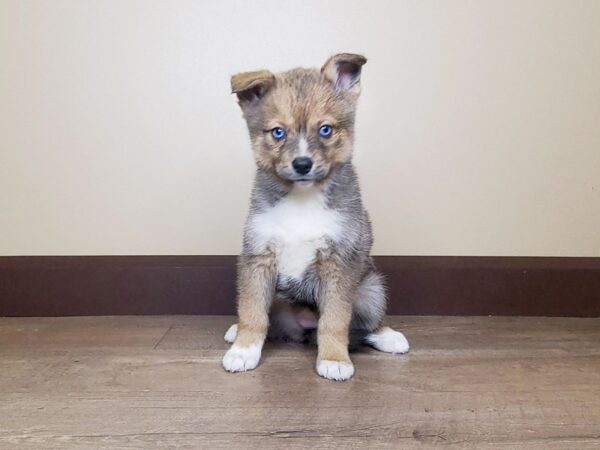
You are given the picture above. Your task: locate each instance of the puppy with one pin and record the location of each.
(305, 262)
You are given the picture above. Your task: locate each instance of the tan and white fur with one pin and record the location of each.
(305, 265)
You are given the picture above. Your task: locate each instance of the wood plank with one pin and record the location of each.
(63, 333)
(467, 383)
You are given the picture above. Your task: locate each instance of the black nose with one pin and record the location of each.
(302, 165)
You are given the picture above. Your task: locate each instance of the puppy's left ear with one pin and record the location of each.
(251, 86)
(343, 70)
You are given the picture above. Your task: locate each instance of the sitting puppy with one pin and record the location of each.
(305, 262)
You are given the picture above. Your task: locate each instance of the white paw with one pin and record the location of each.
(389, 341)
(335, 370)
(240, 359)
(231, 334)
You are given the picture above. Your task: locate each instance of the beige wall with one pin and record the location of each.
(478, 130)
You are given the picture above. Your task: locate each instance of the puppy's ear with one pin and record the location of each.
(251, 86)
(343, 70)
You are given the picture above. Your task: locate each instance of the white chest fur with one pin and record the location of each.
(296, 227)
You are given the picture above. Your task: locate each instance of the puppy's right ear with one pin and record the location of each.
(343, 70)
(251, 86)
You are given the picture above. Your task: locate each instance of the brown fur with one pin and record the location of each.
(301, 101)
(250, 84)
(343, 61)
(270, 101)
(337, 291)
(256, 286)
(279, 105)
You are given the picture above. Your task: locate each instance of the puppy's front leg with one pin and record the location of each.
(335, 306)
(256, 286)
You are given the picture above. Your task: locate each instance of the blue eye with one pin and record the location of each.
(325, 131)
(278, 133)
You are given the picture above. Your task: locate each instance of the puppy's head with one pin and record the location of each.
(301, 122)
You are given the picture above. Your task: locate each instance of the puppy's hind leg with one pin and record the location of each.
(368, 312)
(385, 339)
(231, 334)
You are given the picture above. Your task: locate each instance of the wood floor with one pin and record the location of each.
(157, 382)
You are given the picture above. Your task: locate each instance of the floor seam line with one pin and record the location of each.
(162, 337)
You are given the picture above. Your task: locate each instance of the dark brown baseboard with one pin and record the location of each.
(424, 285)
